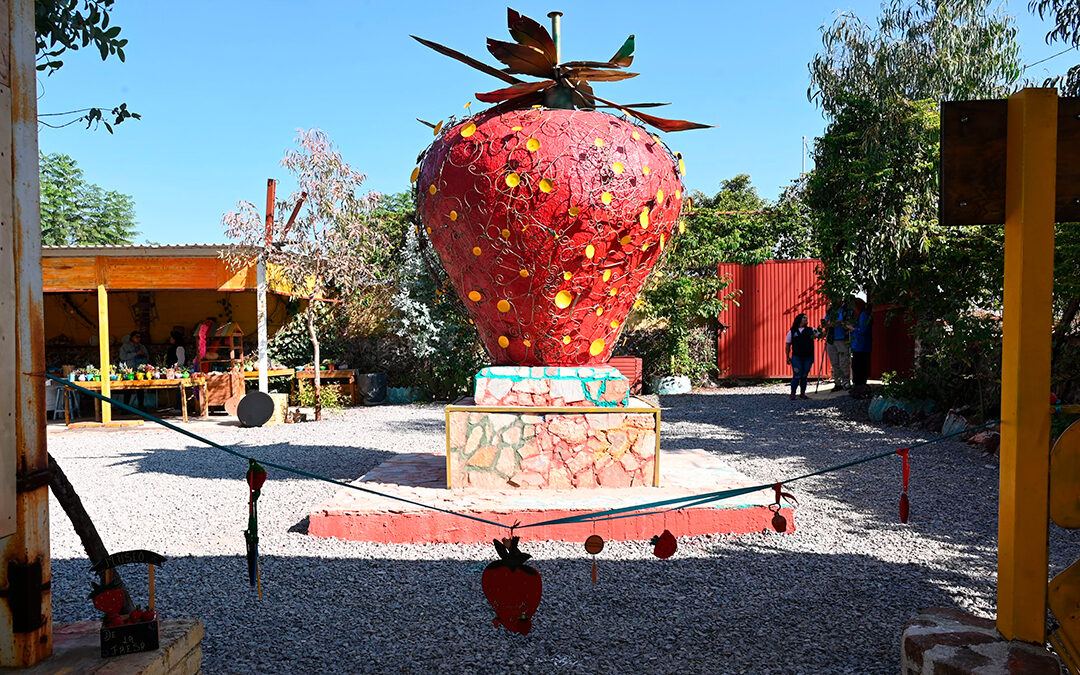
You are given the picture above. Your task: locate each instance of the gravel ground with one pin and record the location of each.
(831, 598)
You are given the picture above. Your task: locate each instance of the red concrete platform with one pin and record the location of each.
(421, 477)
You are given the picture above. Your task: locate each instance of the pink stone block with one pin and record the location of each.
(527, 480)
(475, 436)
(507, 464)
(560, 478)
(568, 428)
(484, 457)
(620, 443)
(614, 475)
(512, 436)
(457, 430)
(530, 448)
(539, 464)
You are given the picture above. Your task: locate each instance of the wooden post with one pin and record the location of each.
(260, 291)
(1031, 161)
(103, 341)
(25, 574)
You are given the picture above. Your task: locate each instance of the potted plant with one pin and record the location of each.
(92, 373)
(126, 372)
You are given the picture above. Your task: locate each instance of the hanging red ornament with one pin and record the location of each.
(664, 544)
(512, 588)
(256, 477)
(905, 507)
(594, 544)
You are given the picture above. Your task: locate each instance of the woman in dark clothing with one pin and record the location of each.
(799, 347)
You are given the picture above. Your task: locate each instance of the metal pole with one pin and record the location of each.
(556, 34)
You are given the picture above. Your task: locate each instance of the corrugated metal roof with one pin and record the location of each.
(135, 250)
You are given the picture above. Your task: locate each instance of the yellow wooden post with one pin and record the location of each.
(103, 344)
(1031, 161)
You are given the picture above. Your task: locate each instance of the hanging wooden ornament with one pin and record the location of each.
(512, 588)
(664, 544)
(905, 506)
(594, 544)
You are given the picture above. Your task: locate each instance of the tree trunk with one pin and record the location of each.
(84, 527)
(318, 367)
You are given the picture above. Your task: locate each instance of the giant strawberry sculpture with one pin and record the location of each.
(548, 218)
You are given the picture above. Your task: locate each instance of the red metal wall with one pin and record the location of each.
(772, 294)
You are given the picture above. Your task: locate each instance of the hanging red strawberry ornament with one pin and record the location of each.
(547, 214)
(512, 588)
(664, 545)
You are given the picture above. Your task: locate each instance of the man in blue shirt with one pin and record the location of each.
(837, 346)
(861, 343)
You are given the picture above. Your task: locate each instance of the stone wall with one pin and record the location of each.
(550, 386)
(947, 641)
(534, 449)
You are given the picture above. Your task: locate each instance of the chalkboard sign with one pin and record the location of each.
(129, 639)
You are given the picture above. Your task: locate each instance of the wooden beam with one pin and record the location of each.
(1025, 370)
(25, 636)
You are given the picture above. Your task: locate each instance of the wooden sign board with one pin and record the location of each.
(973, 162)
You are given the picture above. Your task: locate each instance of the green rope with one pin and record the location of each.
(649, 508)
(282, 467)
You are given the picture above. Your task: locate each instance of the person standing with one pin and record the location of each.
(837, 346)
(799, 348)
(861, 344)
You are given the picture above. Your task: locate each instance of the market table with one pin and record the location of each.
(348, 375)
(183, 385)
(273, 372)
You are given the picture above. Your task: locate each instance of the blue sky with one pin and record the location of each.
(223, 86)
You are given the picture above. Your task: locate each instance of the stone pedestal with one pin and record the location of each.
(552, 387)
(944, 640)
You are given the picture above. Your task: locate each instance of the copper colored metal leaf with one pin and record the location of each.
(635, 105)
(514, 91)
(658, 122)
(518, 103)
(521, 59)
(597, 75)
(528, 32)
(590, 64)
(468, 60)
(583, 95)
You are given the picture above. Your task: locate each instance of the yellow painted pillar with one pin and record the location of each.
(1031, 162)
(103, 347)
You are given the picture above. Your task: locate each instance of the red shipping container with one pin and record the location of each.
(751, 340)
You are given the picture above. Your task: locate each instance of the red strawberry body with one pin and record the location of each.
(512, 588)
(664, 545)
(548, 223)
(109, 600)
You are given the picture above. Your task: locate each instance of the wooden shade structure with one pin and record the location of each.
(139, 269)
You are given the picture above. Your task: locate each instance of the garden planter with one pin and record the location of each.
(371, 387)
(670, 384)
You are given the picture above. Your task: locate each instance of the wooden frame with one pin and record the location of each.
(195, 385)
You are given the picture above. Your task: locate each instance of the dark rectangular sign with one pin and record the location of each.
(973, 162)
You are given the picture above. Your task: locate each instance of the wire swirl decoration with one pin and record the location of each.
(548, 223)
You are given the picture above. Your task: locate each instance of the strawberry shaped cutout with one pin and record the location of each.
(664, 545)
(548, 215)
(512, 588)
(108, 598)
(548, 223)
